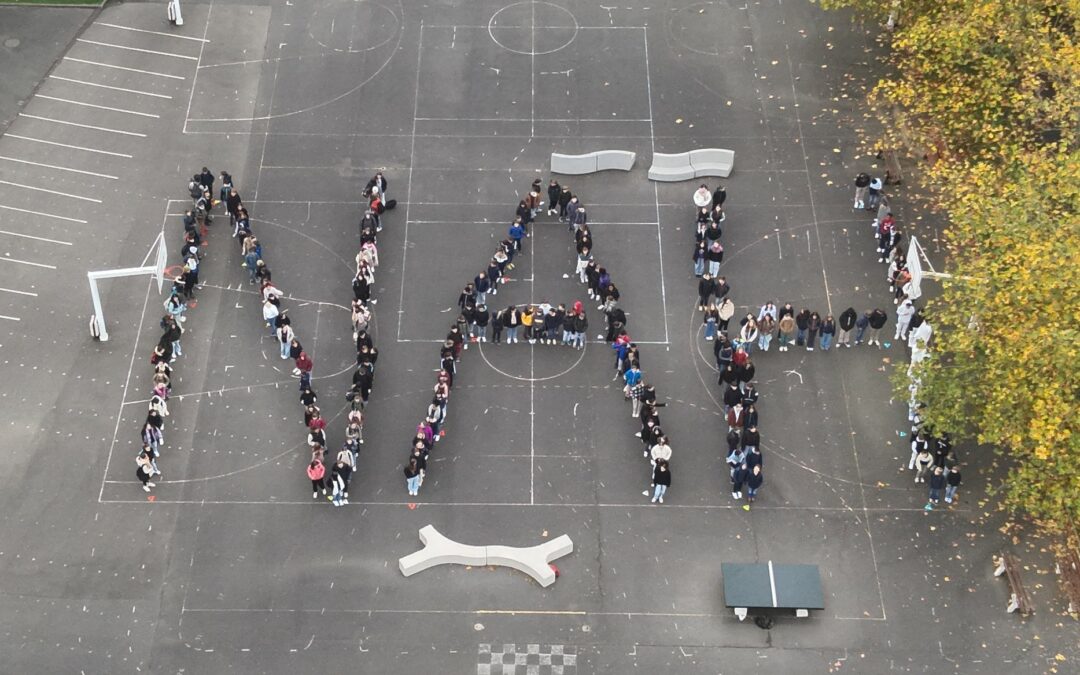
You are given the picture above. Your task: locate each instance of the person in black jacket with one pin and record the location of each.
(564, 200)
(661, 479)
(877, 320)
(754, 480)
(705, 290)
(732, 395)
(846, 325)
(813, 325)
(554, 190)
(802, 324)
(480, 318)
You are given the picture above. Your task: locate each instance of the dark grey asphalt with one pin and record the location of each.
(234, 568)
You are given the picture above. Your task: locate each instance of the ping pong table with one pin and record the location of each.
(769, 586)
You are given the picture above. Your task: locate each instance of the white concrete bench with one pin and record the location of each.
(438, 550)
(694, 164)
(671, 168)
(591, 162)
(712, 162)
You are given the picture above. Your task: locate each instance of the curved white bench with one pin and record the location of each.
(671, 168)
(533, 560)
(681, 166)
(712, 162)
(591, 162)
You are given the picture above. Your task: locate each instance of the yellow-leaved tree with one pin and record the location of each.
(991, 88)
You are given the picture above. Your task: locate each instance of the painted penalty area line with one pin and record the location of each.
(46, 215)
(151, 32)
(30, 236)
(52, 192)
(98, 107)
(136, 49)
(130, 70)
(65, 145)
(59, 168)
(82, 126)
(110, 87)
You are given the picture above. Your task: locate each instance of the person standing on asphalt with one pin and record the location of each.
(904, 312)
(315, 473)
(661, 480)
(846, 324)
(412, 477)
(877, 319)
(828, 330)
(952, 484)
(754, 480)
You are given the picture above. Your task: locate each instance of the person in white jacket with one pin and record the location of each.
(904, 312)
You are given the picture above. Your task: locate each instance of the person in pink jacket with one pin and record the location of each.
(316, 471)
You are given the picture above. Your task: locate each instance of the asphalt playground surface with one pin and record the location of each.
(230, 566)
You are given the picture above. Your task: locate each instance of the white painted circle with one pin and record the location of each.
(333, 25)
(480, 347)
(493, 25)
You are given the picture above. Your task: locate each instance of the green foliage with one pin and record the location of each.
(991, 88)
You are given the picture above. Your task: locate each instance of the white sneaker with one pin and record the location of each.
(600, 307)
(638, 434)
(315, 495)
(324, 491)
(146, 488)
(465, 346)
(182, 319)
(653, 500)
(151, 485)
(661, 500)
(373, 301)
(734, 495)
(565, 276)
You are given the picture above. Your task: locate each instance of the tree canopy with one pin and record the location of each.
(991, 90)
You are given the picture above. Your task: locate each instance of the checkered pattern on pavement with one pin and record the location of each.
(527, 659)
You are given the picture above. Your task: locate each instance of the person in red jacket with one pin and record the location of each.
(305, 365)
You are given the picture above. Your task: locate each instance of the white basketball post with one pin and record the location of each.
(157, 270)
(173, 12)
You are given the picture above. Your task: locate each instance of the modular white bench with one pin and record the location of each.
(591, 162)
(439, 550)
(670, 168)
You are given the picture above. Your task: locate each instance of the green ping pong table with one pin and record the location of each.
(760, 586)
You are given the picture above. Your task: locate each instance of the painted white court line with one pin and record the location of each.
(12, 290)
(52, 192)
(10, 318)
(198, 64)
(46, 215)
(7, 258)
(525, 119)
(151, 32)
(99, 107)
(82, 126)
(65, 145)
(656, 188)
(131, 70)
(135, 49)
(107, 86)
(408, 190)
(58, 168)
(772, 585)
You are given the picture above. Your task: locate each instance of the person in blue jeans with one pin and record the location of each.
(952, 484)
(712, 318)
(661, 480)
(412, 477)
(861, 325)
(828, 330)
(753, 482)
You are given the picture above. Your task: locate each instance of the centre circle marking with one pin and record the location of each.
(581, 356)
(492, 25)
(330, 27)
